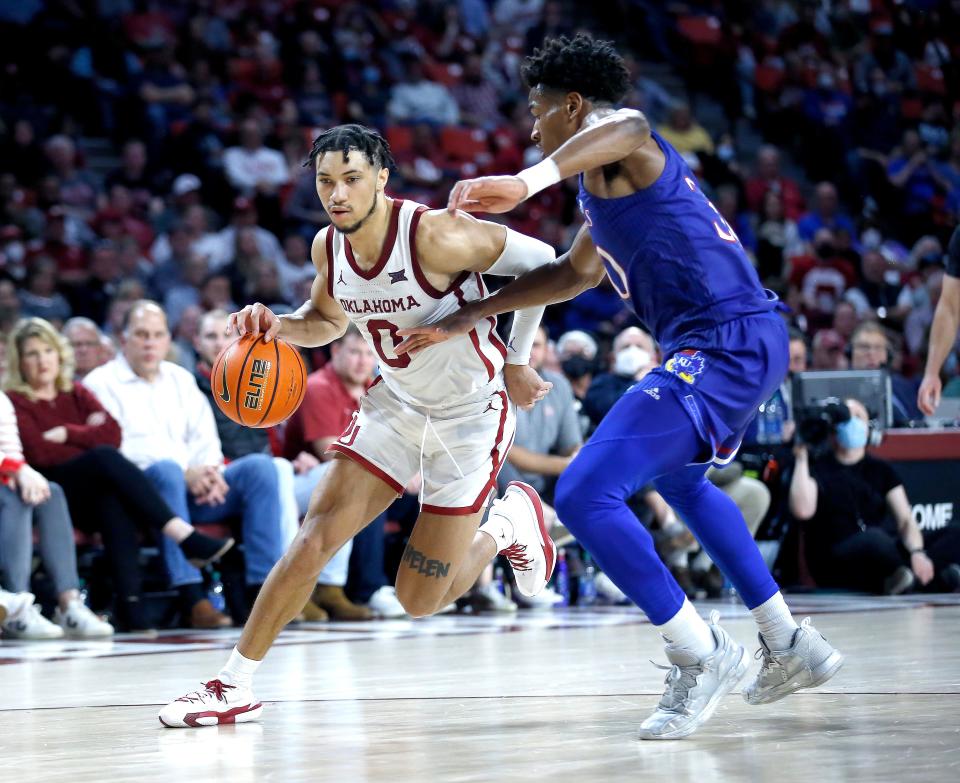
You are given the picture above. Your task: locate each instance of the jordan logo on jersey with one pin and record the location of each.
(398, 277)
(686, 365)
(340, 279)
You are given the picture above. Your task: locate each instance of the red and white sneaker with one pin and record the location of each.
(217, 703)
(532, 553)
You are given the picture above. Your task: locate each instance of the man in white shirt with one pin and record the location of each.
(416, 98)
(253, 167)
(169, 431)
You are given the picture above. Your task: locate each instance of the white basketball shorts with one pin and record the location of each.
(460, 448)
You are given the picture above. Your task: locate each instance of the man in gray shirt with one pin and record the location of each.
(548, 436)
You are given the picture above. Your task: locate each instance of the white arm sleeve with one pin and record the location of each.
(521, 254)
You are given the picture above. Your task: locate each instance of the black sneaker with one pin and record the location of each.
(202, 550)
(950, 576)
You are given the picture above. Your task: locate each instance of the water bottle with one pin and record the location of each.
(588, 584)
(215, 594)
(500, 581)
(563, 578)
(770, 421)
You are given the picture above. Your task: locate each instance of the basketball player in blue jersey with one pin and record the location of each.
(670, 254)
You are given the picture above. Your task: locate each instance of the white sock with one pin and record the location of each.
(238, 670)
(776, 624)
(688, 631)
(177, 529)
(499, 528)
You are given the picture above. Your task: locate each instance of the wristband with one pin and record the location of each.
(542, 175)
(921, 550)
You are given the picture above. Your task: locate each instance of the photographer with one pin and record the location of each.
(860, 532)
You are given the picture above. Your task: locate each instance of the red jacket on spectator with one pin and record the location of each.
(72, 410)
(757, 188)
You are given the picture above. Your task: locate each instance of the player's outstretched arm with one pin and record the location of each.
(318, 321)
(572, 273)
(943, 334)
(607, 140)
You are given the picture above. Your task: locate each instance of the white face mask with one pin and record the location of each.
(630, 360)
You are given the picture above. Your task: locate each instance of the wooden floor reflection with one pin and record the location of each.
(536, 697)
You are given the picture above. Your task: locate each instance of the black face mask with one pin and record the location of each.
(576, 367)
(825, 250)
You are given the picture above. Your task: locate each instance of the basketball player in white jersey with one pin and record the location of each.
(386, 264)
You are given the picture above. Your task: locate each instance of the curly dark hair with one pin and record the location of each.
(580, 64)
(353, 137)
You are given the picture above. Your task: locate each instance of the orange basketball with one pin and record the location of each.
(258, 384)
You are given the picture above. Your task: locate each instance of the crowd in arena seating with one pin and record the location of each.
(153, 150)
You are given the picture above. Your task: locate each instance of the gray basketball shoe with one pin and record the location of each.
(695, 686)
(809, 661)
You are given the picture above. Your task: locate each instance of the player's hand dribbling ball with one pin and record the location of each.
(258, 383)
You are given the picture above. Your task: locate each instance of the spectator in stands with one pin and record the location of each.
(577, 354)
(826, 213)
(27, 497)
(632, 356)
(828, 352)
(70, 437)
(252, 167)
(295, 267)
(684, 132)
(169, 432)
(859, 530)
(71, 260)
(871, 351)
(164, 90)
(417, 99)
(822, 277)
(875, 296)
(39, 296)
(476, 97)
(78, 191)
(331, 400)
(768, 178)
(134, 175)
(244, 217)
(884, 56)
(845, 319)
(911, 171)
(91, 298)
(86, 341)
(778, 238)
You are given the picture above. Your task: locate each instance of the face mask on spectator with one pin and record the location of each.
(825, 249)
(576, 367)
(891, 277)
(630, 360)
(725, 152)
(852, 434)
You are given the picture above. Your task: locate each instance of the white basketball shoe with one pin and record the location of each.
(532, 553)
(695, 686)
(216, 704)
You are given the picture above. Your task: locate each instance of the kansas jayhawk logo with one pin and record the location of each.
(686, 365)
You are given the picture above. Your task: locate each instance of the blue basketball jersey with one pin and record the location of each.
(670, 253)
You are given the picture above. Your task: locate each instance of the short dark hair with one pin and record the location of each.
(580, 64)
(353, 137)
(796, 334)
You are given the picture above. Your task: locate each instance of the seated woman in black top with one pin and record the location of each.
(860, 532)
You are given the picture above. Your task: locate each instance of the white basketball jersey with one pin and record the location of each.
(395, 294)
